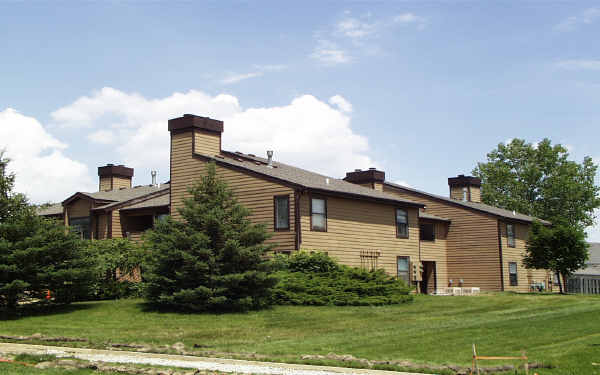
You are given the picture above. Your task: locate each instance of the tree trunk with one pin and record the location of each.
(560, 284)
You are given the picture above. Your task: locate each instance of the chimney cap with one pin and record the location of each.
(370, 175)
(462, 180)
(115, 170)
(189, 121)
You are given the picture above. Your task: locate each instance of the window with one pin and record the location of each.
(81, 226)
(401, 223)
(282, 212)
(512, 272)
(510, 234)
(404, 269)
(160, 217)
(318, 214)
(427, 231)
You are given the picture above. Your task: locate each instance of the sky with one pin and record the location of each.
(421, 90)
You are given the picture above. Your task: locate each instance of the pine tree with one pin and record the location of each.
(211, 260)
(36, 254)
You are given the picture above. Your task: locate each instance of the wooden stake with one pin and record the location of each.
(475, 364)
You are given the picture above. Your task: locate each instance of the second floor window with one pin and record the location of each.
(510, 234)
(318, 214)
(427, 231)
(401, 223)
(282, 212)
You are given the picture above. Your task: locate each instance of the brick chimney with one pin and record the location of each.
(465, 188)
(114, 177)
(371, 178)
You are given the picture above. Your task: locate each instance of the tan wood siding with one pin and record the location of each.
(79, 208)
(456, 192)
(105, 184)
(475, 194)
(354, 226)
(436, 251)
(515, 254)
(472, 242)
(114, 183)
(102, 226)
(207, 143)
(253, 192)
(117, 231)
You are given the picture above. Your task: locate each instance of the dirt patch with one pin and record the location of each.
(458, 370)
(40, 337)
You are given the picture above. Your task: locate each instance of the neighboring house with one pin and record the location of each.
(361, 220)
(117, 210)
(484, 245)
(587, 279)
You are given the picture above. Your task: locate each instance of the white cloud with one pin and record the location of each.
(43, 172)
(340, 102)
(354, 28)
(578, 64)
(328, 53)
(586, 17)
(306, 132)
(103, 137)
(410, 18)
(235, 78)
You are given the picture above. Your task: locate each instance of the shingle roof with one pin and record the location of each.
(126, 194)
(303, 178)
(160, 201)
(55, 209)
(425, 215)
(475, 206)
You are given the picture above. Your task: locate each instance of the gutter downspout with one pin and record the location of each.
(500, 254)
(297, 222)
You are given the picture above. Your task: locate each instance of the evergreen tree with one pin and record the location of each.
(36, 254)
(211, 260)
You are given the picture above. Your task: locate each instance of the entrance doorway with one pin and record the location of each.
(429, 278)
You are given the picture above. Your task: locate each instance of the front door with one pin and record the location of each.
(429, 279)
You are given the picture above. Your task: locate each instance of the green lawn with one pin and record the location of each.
(561, 330)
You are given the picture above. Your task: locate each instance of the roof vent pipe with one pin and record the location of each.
(153, 174)
(270, 158)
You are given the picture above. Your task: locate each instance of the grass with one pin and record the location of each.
(559, 330)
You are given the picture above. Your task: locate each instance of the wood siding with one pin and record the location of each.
(436, 251)
(515, 254)
(475, 194)
(354, 226)
(114, 183)
(78, 208)
(102, 226)
(253, 192)
(105, 184)
(207, 143)
(472, 242)
(116, 230)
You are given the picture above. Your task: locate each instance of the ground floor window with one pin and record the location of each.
(81, 226)
(404, 269)
(512, 272)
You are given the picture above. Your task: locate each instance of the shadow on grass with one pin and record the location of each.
(149, 307)
(43, 309)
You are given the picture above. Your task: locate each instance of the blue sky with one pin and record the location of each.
(423, 90)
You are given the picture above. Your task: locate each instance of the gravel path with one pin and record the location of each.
(200, 363)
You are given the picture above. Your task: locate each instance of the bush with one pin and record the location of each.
(317, 279)
(112, 258)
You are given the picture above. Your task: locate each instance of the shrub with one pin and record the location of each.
(112, 258)
(317, 279)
